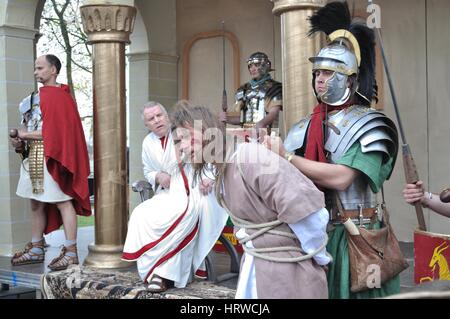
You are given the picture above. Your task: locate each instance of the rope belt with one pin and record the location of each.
(268, 228)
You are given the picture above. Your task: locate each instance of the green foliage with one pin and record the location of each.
(84, 221)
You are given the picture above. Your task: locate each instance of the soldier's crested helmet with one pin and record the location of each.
(261, 59)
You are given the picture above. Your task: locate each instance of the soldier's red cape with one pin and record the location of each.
(65, 151)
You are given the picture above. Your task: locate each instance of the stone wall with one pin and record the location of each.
(17, 36)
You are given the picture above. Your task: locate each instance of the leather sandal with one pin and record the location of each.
(26, 256)
(158, 284)
(63, 261)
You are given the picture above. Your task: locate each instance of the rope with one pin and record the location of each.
(267, 228)
(258, 252)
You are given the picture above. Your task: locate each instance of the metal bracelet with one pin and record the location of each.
(288, 156)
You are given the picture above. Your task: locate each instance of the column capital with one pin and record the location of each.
(281, 6)
(108, 23)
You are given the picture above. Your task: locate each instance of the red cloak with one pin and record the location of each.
(65, 151)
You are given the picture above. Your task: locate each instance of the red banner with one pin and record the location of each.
(431, 256)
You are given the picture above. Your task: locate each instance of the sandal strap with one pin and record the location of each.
(28, 248)
(61, 255)
(160, 285)
(27, 257)
(63, 260)
(155, 282)
(71, 248)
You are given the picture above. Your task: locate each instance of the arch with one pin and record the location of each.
(206, 35)
(139, 37)
(38, 14)
(21, 14)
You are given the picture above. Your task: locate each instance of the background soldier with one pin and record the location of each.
(258, 101)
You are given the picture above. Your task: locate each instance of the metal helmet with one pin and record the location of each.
(342, 61)
(350, 53)
(265, 66)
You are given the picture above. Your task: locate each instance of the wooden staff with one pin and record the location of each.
(409, 165)
(224, 92)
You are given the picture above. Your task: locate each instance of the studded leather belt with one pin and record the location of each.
(361, 216)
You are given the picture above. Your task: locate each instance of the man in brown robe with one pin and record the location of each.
(260, 189)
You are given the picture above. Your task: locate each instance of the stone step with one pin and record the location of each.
(82, 282)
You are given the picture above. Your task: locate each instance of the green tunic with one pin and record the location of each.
(376, 169)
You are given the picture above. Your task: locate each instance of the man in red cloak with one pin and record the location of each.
(54, 174)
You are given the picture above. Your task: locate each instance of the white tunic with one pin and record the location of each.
(52, 192)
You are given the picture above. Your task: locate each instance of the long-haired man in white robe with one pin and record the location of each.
(171, 234)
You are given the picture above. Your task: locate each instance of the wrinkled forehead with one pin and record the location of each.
(153, 111)
(41, 61)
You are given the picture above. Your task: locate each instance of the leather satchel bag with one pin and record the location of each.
(375, 255)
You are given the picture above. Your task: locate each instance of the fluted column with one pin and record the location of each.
(108, 28)
(296, 48)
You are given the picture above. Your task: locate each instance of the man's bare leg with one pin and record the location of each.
(69, 254)
(38, 220)
(69, 217)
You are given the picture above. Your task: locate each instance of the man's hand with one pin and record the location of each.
(17, 143)
(206, 186)
(259, 131)
(223, 117)
(275, 144)
(229, 117)
(413, 193)
(163, 179)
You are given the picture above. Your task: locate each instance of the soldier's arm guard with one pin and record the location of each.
(296, 137)
(370, 128)
(274, 96)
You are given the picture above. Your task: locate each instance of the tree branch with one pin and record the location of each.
(81, 66)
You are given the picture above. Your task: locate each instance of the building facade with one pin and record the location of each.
(176, 52)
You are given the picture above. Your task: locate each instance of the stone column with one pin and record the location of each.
(296, 48)
(16, 82)
(108, 28)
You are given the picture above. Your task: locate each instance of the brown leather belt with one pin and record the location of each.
(367, 213)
